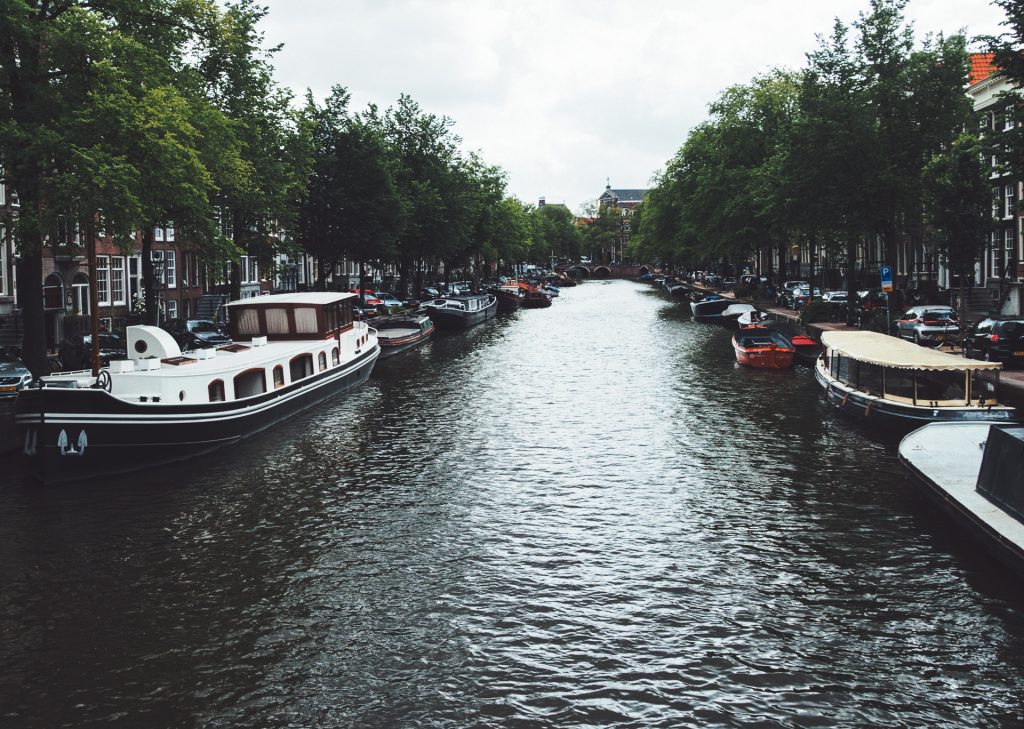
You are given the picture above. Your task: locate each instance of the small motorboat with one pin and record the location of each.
(764, 348)
(753, 318)
(509, 295)
(534, 298)
(807, 349)
(733, 312)
(399, 333)
(710, 307)
(550, 290)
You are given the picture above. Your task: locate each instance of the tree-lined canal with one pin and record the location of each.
(580, 516)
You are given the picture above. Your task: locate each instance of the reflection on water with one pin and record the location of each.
(580, 516)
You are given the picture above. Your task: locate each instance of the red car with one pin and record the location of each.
(371, 298)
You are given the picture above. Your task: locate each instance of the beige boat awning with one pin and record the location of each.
(886, 351)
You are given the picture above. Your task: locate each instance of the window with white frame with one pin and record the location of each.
(117, 280)
(171, 307)
(1010, 192)
(244, 268)
(170, 232)
(254, 270)
(158, 234)
(103, 280)
(1008, 239)
(1008, 122)
(171, 269)
(997, 196)
(3, 189)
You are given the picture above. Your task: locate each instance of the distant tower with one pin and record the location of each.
(540, 204)
(607, 183)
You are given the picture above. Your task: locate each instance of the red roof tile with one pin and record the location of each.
(981, 67)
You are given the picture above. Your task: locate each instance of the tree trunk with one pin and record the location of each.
(30, 279)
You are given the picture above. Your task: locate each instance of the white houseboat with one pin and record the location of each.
(890, 382)
(290, 351)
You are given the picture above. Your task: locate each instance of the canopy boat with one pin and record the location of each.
(896, 383)
(972, 471)
(461, 312)
(290, 351)
(710, 307)
(763, 348)
(398, 333)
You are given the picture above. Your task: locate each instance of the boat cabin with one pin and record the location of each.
(899, 371)
(282, 317)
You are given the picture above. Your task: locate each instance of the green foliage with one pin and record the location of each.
(815, 311)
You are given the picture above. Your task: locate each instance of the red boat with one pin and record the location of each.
(765, 348)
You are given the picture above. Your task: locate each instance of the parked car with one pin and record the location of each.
(387, 299)
(196, 333)
(996, 340)
(112, 346)
(799, 297)
(784, 290)
(368, 297)
(927, 324)
(838, 302)
(14, 375)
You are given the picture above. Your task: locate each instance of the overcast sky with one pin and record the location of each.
(563, 94)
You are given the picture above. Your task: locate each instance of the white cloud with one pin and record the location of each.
(565, 93)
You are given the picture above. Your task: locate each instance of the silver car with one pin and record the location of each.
(928, 324)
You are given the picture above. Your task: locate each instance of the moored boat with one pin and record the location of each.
(972, 471)
(461, 312)
(732, 313)
(895, 383)
(763, 348)
(290, 351)
(534, 298)
(509, 295)
(710, 307)
(399, 333)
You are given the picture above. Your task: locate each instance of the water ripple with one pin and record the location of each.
(582, 516)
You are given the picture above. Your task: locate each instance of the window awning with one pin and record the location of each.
(885, 351)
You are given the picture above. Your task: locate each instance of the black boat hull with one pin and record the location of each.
(74, 435)
(454, 319)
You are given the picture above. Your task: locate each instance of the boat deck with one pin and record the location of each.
(948, 456)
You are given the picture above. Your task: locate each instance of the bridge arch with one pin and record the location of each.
(602, 272)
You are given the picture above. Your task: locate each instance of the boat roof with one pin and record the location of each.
(311, 298)
(881, 349)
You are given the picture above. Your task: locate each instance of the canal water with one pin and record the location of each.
(584, 516)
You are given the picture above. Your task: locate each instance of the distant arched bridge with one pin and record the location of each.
(603, 270)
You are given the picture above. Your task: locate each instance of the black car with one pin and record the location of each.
(112, 346)
(996, 340)
(196, 333)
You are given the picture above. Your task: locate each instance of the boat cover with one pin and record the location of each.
(881, 349)
(737, 309)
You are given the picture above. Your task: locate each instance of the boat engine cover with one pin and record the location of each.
(146, 342)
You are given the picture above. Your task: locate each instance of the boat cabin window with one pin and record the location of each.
(335, 357)
(248, 322)
(940, 386)
(323, 361)
(869, 378)
(216, 390)
(277, 320)
(899, 383)
(250, 382)
(300, 366)
(278, 376)
(305, 320)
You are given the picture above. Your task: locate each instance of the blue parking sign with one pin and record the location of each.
(886, 272)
